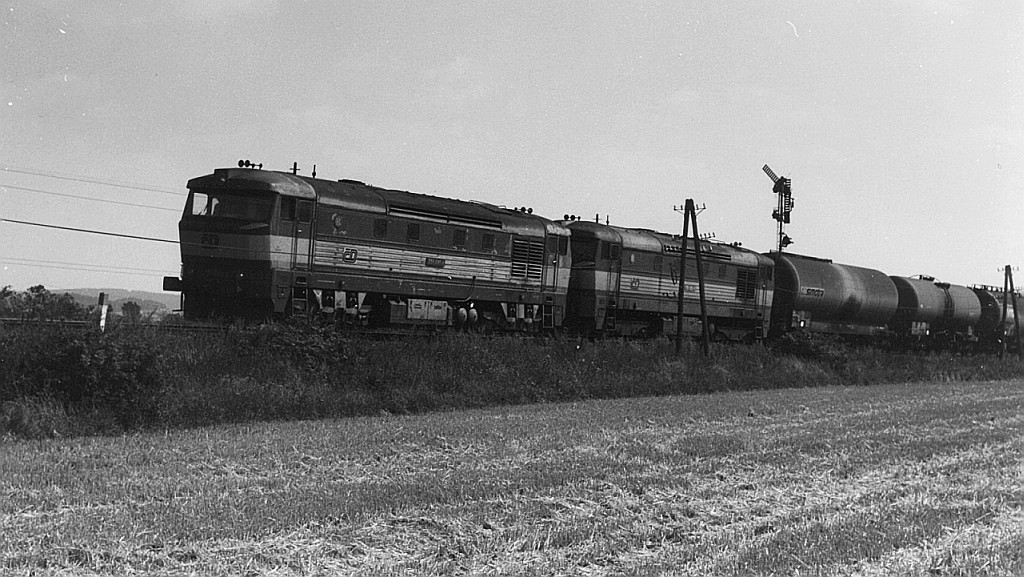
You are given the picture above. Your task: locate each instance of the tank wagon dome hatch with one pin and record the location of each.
(244, 179)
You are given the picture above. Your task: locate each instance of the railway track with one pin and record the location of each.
(355, 332)
(84, 325)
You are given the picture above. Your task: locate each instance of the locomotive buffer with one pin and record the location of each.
(784, 188)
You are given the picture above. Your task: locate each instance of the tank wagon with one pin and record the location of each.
(818, 295)
(258, 243)
(937, 313)
(625, 282)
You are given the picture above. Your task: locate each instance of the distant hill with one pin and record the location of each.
(147, 301)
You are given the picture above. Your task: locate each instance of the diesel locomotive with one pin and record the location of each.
(261, 244)
(258, 244)
(626, 282)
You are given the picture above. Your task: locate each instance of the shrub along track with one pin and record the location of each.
(906, 480)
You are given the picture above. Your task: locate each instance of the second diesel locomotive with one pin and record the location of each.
(626, 282)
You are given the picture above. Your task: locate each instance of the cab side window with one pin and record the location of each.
(487, 243)
(289, 208)
(305, 211)
(459, 238)
(413, 232)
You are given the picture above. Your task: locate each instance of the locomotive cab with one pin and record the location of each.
(241, 232)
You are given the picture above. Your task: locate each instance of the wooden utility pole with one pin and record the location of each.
(690, 214)
(1009, 292)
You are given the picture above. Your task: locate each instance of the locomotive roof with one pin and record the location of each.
(653, 241)
(400, 203)
(258, 180)
(595, 229)
(356, 195)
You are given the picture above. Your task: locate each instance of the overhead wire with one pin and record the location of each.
(83, 267)
(224, 249)
(64, 195)
(99, 232)
(91, 180)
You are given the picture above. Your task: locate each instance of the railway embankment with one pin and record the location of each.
(63, 381)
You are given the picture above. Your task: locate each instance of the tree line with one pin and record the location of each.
(38, 303)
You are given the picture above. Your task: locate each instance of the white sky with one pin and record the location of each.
(901, 122)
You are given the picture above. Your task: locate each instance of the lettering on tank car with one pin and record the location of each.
(814, 292)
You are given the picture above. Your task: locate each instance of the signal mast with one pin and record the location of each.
(784, 188)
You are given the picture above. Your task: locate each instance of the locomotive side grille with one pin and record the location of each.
(746, 283)
(527, 259)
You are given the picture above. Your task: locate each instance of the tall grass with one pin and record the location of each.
(80, 382)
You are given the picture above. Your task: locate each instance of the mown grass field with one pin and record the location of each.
(922, 479)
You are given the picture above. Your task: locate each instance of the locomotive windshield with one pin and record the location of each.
(248, 207)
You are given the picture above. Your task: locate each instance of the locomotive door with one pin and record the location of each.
(550, 282)
(300, 214)
(611, 260)
(762, 307)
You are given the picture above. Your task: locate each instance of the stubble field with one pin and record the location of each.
(922, 479)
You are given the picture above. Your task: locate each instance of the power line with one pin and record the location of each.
(90, 180)
(225, 249)
(88, 198)
(87, 267)
(100, 232)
